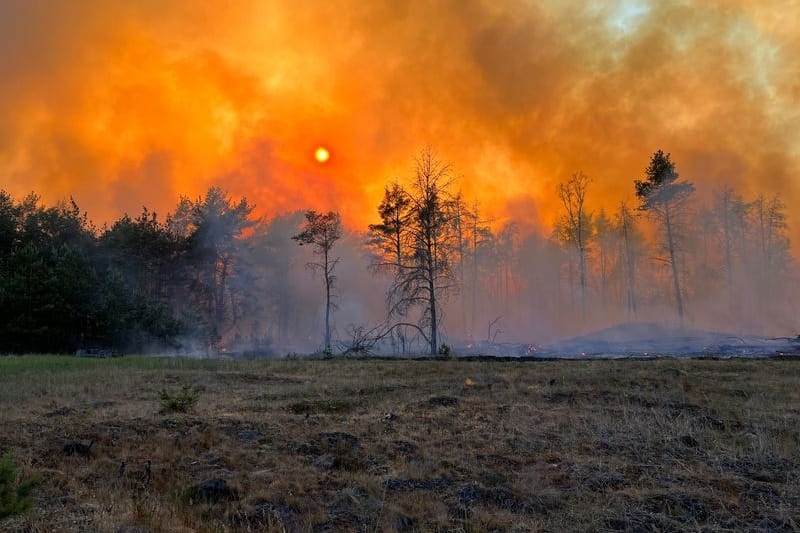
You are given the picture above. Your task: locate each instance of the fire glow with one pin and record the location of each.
(122, 105)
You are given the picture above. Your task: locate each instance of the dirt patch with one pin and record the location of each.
(320, 407)
(442, 401)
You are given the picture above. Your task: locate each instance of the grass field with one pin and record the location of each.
(375, 445)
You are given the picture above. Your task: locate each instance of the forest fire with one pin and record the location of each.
(121, 105)
(212, 279)
(449, 265)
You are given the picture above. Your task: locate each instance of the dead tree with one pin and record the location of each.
(322, 231)
(664, 196)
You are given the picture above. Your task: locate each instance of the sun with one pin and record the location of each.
(322, 155)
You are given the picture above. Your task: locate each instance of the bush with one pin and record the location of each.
(14, 497)
(444, 350)
(179, 402)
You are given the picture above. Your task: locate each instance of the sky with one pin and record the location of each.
(125, 103)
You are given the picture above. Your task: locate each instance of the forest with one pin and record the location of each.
(433, 274)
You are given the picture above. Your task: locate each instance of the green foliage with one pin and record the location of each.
(134, 286)
(179, 402)
(15, 496)
(661, 185)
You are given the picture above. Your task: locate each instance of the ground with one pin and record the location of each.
(375, 445)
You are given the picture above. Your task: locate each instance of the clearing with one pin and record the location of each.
(380, 445)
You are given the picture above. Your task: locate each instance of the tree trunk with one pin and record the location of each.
(631, 272)
(327, 305)
(582, 274)
(671, 246)
(474, 274)
(432, 293)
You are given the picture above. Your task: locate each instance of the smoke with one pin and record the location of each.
(121, 103)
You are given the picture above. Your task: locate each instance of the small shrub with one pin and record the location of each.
(179, 402)
(445, 350)
(15, 497)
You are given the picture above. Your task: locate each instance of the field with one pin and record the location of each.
(376, 445)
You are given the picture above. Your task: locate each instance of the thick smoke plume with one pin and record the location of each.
(129, 103)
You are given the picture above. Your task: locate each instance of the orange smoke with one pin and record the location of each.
(123, 104)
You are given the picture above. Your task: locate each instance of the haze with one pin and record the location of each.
(123, 104)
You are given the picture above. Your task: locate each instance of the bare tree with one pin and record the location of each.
(322, 231)
(664, 196)
(577, 223)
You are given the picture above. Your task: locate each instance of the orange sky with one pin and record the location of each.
(127, 103)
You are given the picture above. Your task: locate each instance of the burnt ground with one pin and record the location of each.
(365, 445)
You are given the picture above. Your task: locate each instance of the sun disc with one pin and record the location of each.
(322, 155)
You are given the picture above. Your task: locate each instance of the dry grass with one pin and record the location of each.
(365, 445)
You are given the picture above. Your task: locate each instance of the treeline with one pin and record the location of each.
(139, 284)
(727, 262)
(210, 277)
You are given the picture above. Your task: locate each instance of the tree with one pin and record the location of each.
(15, 491)
(731, 213)
(577, 223)
(214, 224)
(506, 248)
(479, 237)
(772, 241)
(276, 255)
(388, 241)
(425, 233)
(664, 195)
(630, 244)
(388, 236)
(604, 235)
(322, 231)
(45, 299)
(9, 220)
(146, 252)
(47, 279)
